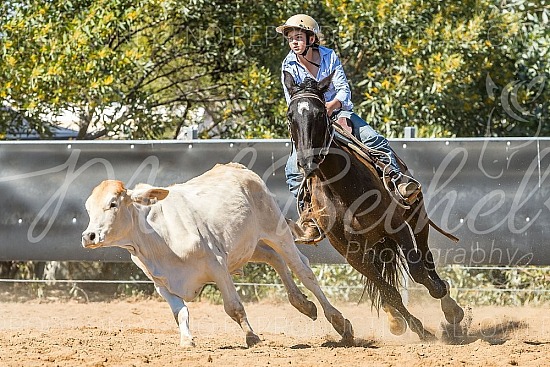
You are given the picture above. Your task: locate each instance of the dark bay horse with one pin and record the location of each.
(378, 235)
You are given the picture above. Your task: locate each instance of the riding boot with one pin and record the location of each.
(407, 189)
(307, 231)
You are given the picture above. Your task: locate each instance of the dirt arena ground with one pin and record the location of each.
(138, 333)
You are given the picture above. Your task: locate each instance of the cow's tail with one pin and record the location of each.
(442, 231)
(389, 262)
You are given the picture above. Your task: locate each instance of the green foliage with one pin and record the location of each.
(426, 63)
(256, 114)
(17, 269)
(500, 286)
(130, 69)
(341, 283)
(256, 282)
(484, 286)
(141, 69)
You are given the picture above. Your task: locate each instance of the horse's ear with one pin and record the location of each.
(325, 83)
(290, 84)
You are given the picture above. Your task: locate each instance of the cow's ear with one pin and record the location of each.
(148, 196)
(325, 83)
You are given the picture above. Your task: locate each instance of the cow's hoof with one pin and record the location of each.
(187, 343)
(345, 329)
(311, 310)
(301, 303)
(252, 340)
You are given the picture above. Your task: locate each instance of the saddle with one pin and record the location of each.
(373, 158)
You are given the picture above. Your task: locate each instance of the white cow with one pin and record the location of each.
(186, 235)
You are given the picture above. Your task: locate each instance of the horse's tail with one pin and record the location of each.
(389, 262)
(442, 231)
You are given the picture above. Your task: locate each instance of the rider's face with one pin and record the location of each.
(297, 40)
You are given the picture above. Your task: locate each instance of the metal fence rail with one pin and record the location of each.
(494, 194)
(538, 290)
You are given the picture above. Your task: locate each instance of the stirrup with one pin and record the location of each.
(397, 185)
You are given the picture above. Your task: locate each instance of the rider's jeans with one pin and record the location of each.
(362, 131)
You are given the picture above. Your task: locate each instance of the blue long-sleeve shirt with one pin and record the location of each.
(339, 88)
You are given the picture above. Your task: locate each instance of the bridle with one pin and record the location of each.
(323, 152)
(329, 130)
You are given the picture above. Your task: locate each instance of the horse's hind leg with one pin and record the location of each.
(452, 311)
(418, 220)
(415, 262)
(388, 293)
(266, 254)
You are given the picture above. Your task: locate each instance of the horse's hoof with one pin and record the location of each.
(398, 326)
(440, 290)
(396, 321)
(426, 336)
(252, 340)
(452, 311)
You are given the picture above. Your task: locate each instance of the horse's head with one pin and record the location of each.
(310, 127)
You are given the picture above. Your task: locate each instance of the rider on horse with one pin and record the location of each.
(308, 59)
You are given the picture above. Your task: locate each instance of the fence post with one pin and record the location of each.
(410, 132)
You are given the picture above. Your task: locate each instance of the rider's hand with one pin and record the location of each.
(342, 121)
(332, 106)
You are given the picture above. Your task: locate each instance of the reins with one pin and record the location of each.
(306, 95)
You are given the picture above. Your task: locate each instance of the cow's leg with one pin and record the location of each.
(178, 307)
(285, 247)
(181, 314)
(231, 301)
(267, 255)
